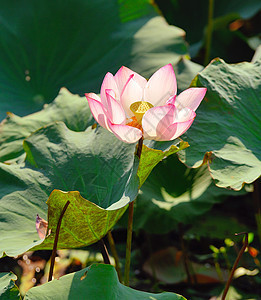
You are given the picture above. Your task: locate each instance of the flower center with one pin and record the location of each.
(139, 108)
(134, 123)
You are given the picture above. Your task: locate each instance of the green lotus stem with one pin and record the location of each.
(104, 252)
(115, 255)
(128, 245)
(56, 240)
(242, 250)
(257, 205)
(129, 228)
(209, 31)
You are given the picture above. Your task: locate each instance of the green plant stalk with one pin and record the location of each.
(242, 250)
(129, 228)
(115, 255)
(104, 252)
(56, 240)
(216, 252)
(217, 267)
(209, 31)
(226, 260)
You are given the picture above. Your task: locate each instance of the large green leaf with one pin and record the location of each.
(131, 10)
(71, 109)
(94, 163)
(96, 282)
(226, 131)
(8, 289)
(46, 45)
(175, 194)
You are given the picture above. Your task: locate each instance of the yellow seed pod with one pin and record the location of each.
(139, 108)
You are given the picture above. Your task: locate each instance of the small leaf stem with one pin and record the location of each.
(129, 228)
(242, 250)
(115, 255)
(209, 31)
(187, 264)
(56, 240)
(104, 252)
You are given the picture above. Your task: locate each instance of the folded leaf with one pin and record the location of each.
(92, 169)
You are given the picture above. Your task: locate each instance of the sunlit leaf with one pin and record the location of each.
(8, 289)
(257, 55)
(96, 282)
(84, 222)
(71, 109)
(153, 152)
(226, 131)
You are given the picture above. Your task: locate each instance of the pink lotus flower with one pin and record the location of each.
(131, 107)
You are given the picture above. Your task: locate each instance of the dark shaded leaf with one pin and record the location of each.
(79, 42)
